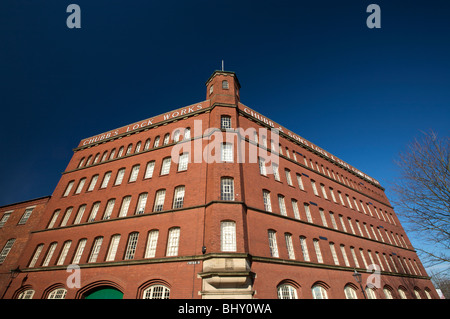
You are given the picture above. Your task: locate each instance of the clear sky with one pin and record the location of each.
(313, 66)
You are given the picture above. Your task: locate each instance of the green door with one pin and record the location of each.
(104, 293)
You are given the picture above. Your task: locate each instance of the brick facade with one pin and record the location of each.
(178, 244)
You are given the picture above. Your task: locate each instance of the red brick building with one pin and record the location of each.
(213, 200)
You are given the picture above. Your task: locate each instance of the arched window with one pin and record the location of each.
(59, 293)
(166, 139)
(273, 246)
(225, 85)
(26, 294)
(319, 292)
(131, 246)
(173, 241)
(370, 293)
(286, 291)
(156, 292)
(178, 197)
(402, 293)
(388, 292)
(129, 148)
(350, 292)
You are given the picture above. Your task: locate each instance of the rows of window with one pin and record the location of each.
(183, 161)
(344, 224)
(172, 245)
(320, 290)
(126, 205)
(361, 207)
(297, 157)
(342, 255)
(227, 239)
(25, 216)
(132, 149)
(152, 292)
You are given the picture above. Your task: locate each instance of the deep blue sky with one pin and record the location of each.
(313, 66)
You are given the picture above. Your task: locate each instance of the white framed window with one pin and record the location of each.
(134, 173)
(228, 235)
(138, 147)
(124, 207)
(276, 174)
(94, 211)
(289, 245)
(173, 241)
(262, 166)
(49, 256)
(149, 170)
(273, 243)
(4, 219)
(27, 294)
(324, 193)
(88, 162)
(109, 208)
(225, 84)
(344, 255)
(286, 291)
(156, 292)
(183, 162)
(95, 249)
(165, 168)
(313, 184)
(266, 198)
(93, 182)
(96, 158)
(54, 218)
(322, 217)
(64, 251)
(282, 205)
(111, 155)
(106, 179)
(68, 188)
(178, 197)
(333, 221)
(111, 255)
(120, 153)
(147, 144)
(152, 242)
(26, 215)
(80, 213)
(66, 216)
(388, 293)
(159, 200)
(187, 133)
(119, 176)
(308, 213)
(317, 249)
(129, 149)
(227, 152)
(105, 155)
(80, 185)
(295, 209)
(341, 219)
(304, 248)
(142, 201)
(6, 249)
(79, 251)
(350, 292)
(332, 195)
(288, 176)
(59, 293)
(300, 182)
(319, 292)
(176, 136)
(333, 253)
(36, 255)
(131, 246)
(225, 122)
(355, 259)
(156, 142)
(166, 139)
(226, 188)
